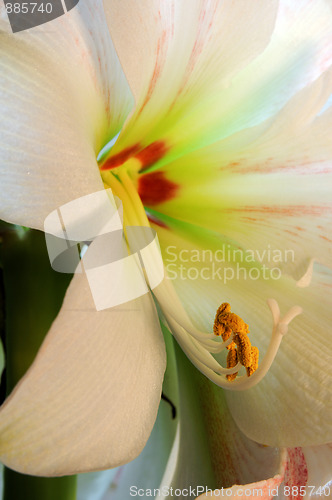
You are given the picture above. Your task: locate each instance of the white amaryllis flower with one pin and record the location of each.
(228, 148)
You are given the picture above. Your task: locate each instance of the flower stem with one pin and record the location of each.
(33, 294)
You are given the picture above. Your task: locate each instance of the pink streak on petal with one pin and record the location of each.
(296, 472)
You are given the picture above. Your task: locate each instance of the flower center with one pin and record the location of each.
(153, 187)
(147, 156)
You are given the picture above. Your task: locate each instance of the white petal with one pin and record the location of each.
(156, 43)
(148, 469)
(90, 399)
(63, 95)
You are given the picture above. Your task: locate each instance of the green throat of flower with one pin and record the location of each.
(229, 330)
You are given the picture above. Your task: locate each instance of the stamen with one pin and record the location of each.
(241, 352)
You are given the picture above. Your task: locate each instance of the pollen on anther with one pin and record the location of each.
(224, 332)
(231, 362)
(254, 361)
(226, 323)
(240, 349)
(226, 318)
(224, 308)
(243, 349)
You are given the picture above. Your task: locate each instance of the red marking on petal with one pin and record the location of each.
(151, 154)
(154, 220)
(325, 238)
(252, 219)
(154, 189)
(296, 472)
(202, 40)
(161, 53)
(278, 210)
(146, 155)
(293, 233)
(120, 158)
(304, 166)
